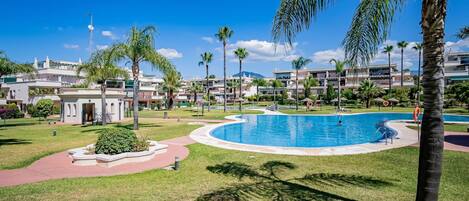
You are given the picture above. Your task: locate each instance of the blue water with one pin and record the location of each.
(312, 131)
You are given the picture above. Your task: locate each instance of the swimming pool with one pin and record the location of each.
(312, 131)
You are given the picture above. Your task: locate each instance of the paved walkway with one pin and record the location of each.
(455, 141)
(59, 166)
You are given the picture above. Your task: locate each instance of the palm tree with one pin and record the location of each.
(402, 45)
(8, 67)
(369, 28)
(102, 68)
(206, 59)
(241, 53)
(309, 83)
(276, 84)
(224, 33)
(418, 47)
(140, 48)
(367, 91)
(463, 33)
(232, 85)
(171, 83)
(259, 82)
(339, 69)
(194, 89)
(387, 50)
(298, 64)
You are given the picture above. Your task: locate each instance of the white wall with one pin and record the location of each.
(72, 115)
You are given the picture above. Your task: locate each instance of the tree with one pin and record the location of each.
(418, 47)
(206, 59)
(8, 67)
(241, 53)
(276, 84)
(140, 48)
(330, 93)
(171, 83)
(44, 108)
(298, 64)
(224, 33)
(339, 69)
(309, 83)
(259, 82)
(463, 33)
(367, 91)
(102, 68)
(232, 85)
(194, 89)
(387, 50)
(460, 92)
(369, 28)
(402, 45)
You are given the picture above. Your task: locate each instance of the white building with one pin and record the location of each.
(81, 106)
(456, 67)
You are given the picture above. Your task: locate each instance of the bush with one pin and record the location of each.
(115, 141)
(43, 108)
(11, 111)
(142, 143)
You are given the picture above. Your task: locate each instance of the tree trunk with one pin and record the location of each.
(195, 97)
(257, 93)
(208, 88)
(418, 78)
(431, 143)
(296, 91)
(402, 67)
(240, 83)
(390, 73)
(338, 99)
(170, 99)
(135, 69)
(103, 103)
(224, 76)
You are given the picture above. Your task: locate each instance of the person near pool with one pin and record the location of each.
(340, 119)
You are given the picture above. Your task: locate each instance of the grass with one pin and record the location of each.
(193, 180)
(188, 113)
(327, 109)
(23, 141)
(450, 127)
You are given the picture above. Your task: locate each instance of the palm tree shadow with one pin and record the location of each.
(267, 184)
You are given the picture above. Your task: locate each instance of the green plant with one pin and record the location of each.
(43, 108)
(115, 141)
(142, 143)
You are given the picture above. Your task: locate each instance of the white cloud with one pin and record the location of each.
(71, 46)
(457, 46)
(108, 34)
(208, 39)
(323, 57)
(169, 53)
(102, 47)
(264, 50)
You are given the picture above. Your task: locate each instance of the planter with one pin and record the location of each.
(81, 157)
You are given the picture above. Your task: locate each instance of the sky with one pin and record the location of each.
(186, 28)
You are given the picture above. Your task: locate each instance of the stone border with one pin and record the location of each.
(405, 137)
(80, 157)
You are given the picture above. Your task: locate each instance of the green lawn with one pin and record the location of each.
(327, 109)
(188, 113)
(450, 127)
(22, 141)
(394, 174)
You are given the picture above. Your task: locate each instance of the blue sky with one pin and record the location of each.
(58, 29)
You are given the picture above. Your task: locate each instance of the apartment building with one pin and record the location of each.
(456, 67)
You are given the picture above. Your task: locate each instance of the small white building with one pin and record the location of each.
(81, 106)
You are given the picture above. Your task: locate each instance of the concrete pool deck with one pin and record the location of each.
(405, 137)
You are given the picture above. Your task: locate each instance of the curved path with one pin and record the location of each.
(59, 165)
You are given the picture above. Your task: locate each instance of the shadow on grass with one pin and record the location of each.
(266, 183)
(13, 141)
(16, 124)
(97, 128)
(462, 140)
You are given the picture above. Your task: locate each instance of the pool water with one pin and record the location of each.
(312, 131)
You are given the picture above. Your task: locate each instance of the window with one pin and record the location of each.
(74, 110)
(112, 108)
(69, 110)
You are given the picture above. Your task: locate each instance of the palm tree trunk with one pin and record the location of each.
(431, 143)
(170, 99)
(240, 83)
(296, 91)
(275, 102)
(135, 69)
(418, 78)
(338, 99)
(224, 76)
(257, 93)
(390, 73)
(208, 88)
(103, 103)
(402, 67)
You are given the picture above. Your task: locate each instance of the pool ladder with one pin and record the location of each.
(386, 133)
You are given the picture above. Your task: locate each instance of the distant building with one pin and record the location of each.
(456, 67)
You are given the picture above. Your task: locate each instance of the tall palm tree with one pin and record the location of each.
(418, 47)
(206, 59)
(224, 33)
(194, 89)
(8, 67)
(241, 53)
(402, 45)
(298, 64)
(140, 48)
(339, 69)
(463, 33)
(368, 90)
(387, 50)
(309, 83)
(232, 85)
(101, 68)
(276, 84)
(369, 28)
(259, 82)
(171, 83)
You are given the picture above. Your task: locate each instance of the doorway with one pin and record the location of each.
(87, 114)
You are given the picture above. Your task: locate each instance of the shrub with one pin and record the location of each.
(142, 143)
(11, 111)
(115, 141)
(43, 108)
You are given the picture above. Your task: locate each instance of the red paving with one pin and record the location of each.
(59, 165)
(455, 141)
